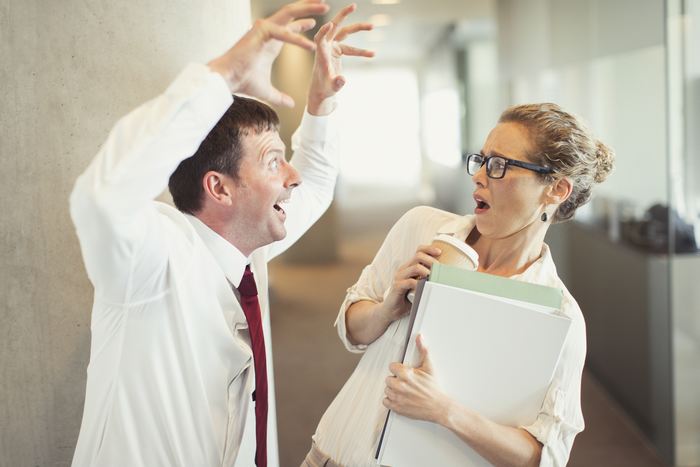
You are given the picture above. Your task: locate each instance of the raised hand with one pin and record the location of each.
(327, 79)
(247, 65)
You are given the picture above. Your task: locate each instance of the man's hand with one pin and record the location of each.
(247, 65)
(414, 392)
(326, 79)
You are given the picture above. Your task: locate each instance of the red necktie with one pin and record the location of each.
(251, 309)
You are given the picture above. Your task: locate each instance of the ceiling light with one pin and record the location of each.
(380, 20)
(375, 36)
(386, 2)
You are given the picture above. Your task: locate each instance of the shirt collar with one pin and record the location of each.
(458, 227)
(229, 258)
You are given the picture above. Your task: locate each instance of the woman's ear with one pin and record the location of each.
(216, 188)
(559, 191)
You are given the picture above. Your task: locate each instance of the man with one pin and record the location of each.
(178, 349)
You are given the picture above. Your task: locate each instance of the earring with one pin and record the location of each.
(544, 217)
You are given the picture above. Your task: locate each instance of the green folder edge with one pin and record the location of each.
(496, 285)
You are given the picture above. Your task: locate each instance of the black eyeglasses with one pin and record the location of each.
(496, 165)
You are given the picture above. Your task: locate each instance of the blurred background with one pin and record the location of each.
(444, 71)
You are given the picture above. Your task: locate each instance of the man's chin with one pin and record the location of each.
(279, 235)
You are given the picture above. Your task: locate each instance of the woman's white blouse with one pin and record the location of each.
(349, 430)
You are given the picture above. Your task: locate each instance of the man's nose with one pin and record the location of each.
(292, 179)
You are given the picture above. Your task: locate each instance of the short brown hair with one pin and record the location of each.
(219, 151)
(565, 144)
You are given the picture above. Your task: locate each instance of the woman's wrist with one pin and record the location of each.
(456, 418)
(383, 315)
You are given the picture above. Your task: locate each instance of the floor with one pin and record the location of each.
(311, 365)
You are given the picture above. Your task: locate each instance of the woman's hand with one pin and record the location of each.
(366, 321)
(326, 79)
(414, 392)
(395, 305)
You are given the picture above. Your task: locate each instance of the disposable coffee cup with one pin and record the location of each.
(454, 252)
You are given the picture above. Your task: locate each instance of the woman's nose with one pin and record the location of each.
(480, 178)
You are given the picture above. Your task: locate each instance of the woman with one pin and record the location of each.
(537, 167)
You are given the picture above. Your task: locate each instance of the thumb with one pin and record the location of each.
(338, 83)
(425, 363)
(279, 98)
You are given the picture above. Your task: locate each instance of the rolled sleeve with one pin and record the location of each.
(351, 297)
(369, 287)
(561, 418)
(555, 431)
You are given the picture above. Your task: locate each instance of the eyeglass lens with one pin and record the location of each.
(495, 166)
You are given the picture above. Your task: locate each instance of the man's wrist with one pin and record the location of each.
(217, 66)
(320, 106)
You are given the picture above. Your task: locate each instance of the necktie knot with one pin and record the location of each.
(247, 287)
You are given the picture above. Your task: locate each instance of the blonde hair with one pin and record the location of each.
(568, 147)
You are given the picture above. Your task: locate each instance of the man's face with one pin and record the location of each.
(265, 182)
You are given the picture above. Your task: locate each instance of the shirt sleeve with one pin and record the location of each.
(374, 283)
(561, 418)
(112, 201)
(315, 156)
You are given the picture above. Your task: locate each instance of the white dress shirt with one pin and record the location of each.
(170, 376)
(349, 430)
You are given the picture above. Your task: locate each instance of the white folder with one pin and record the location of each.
(492, 354)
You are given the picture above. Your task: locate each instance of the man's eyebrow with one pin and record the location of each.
(271, 153)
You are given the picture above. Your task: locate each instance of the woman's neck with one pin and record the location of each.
(509, 255)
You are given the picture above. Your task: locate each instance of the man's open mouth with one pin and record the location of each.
(278, 206)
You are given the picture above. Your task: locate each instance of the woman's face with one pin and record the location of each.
(515, 202)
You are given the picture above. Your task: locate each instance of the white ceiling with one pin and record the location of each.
(415, 27)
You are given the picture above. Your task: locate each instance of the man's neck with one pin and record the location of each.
(224, 229)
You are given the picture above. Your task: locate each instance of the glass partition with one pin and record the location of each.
(589, 57)
(683, 40)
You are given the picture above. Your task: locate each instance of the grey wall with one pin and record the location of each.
(603, 60)
(69, 70)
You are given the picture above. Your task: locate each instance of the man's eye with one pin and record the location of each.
(274, 164)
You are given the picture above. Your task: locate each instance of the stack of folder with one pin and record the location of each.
(494, 343)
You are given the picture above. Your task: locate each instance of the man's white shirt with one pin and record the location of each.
(170, 374)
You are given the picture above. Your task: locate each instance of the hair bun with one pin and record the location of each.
(605, 160)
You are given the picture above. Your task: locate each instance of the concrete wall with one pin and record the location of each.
(69, 70)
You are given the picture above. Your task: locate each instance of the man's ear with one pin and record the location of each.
(217, 188)
(559, 191)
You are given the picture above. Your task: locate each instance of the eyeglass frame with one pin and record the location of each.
(524, 165)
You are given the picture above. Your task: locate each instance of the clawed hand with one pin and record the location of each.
(247, 65)
(327, 79)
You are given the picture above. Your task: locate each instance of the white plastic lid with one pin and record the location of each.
(461, 246)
